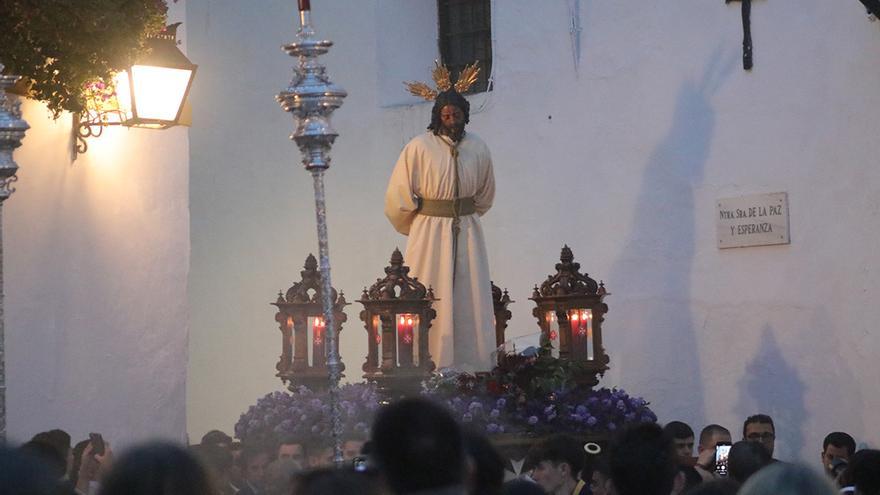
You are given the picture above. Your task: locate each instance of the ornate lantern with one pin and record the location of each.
(397, 316)
(152, 93)
(304, 330)
(570, 312)
(500, 301)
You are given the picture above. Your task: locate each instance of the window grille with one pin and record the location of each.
(465, 31)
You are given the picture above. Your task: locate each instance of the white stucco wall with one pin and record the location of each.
(622, 161)
(96, 257)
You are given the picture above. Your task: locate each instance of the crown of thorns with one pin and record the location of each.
(442, 80)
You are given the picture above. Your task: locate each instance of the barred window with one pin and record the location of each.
(465, 36)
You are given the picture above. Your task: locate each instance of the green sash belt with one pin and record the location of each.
(449, 208)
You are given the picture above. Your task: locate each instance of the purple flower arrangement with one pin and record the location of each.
(525, 395)
(305, 414)
(535, 395)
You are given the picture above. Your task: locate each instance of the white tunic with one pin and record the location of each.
(463, 333)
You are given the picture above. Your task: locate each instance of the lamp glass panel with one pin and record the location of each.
(416, 332)
(407, 346)
(590, 351)
(292, 334)
(159, 91)
(316, 335)
(123, 94)
(553, 326)
(581, 321)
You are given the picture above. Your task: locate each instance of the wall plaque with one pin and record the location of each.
(756, 220)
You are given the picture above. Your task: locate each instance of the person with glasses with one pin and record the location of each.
(759, 428)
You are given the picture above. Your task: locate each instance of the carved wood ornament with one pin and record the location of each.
(570, 310)
(397, 317)
(300, 307)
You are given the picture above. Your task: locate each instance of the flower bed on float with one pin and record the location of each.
(526, 396)
(305, 414)
(535, 395)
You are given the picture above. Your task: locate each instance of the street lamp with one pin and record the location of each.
(12, 129)
(153, 91)
(151, 94)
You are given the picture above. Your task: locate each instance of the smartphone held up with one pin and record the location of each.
(722, 453)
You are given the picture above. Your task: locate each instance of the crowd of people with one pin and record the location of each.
(417, 447)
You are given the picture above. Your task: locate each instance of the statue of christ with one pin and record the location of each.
(442, 183)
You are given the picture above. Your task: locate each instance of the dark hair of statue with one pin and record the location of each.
(448, 97)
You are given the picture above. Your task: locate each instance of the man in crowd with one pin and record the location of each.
(600, 475)
(253, 461)
(419, 448)
(558, 460)
(760, 428)
(60, 441)
(643, 462)
(320, 454)
(351, 448)
(218, 460)
(683, 441)
(682, 437)
(291, 448)
(710, 437)
(217, 438)
(837, 448)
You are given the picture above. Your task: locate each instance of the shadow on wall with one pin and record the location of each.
(657, 356)
(832, 378)
(772, 386)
